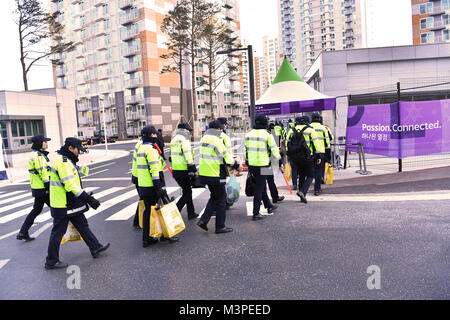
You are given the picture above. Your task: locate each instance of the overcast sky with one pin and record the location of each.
(258, 18)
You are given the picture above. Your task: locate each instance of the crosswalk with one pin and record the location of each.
(117, 204)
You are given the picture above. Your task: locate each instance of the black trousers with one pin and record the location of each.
(136, 216)
(306, 173)
(294, 173)
(260, 190)
(218, 203)
(37, 209)
(318, 175)
(273, 188)
(149, 202)
(59, 229)
(184, 182)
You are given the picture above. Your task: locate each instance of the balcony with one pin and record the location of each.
(438, 25)
(235, 100)
(130, 67)
(60, 72)
(84, 106)
(99, 2)
(236, 112)
(132, 83)
(128, 35)
(138, 98)
(125, 4)
(235, 77)
(127, 18)
(129, 51)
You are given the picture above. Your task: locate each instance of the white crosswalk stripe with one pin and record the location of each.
(130, 210)
(195, 193)
(262, 210)
(17, 204)
(9, 194)
(41, 230)
(105, 165)
(109, 203)
(4, 262)
(9, 234)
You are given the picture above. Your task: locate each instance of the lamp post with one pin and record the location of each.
(251, 76)
(102, 99)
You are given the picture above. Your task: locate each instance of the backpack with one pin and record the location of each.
(298, 149)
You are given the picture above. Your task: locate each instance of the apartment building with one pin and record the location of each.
(431, 21)
(228, 100)
(271, 61)
(116, 65)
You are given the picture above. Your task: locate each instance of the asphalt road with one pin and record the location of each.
(321, 250)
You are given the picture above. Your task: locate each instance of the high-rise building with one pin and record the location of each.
(116, 66)
(271, 62)
(431, 21)
(228, 99)
(309, 27)
(259, 76)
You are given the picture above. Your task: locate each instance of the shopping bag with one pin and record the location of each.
(141, 213)
(288, 171)
(171, 221)
(250, 185)
(71, 235)
(233, 188)
(156, 229)
(330, 174)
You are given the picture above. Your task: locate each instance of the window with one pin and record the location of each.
(201, 109)
(427, 37)
(23, 130)
(426, 23)
(445, 5)
(446, 19)
(426, 8)
(445, 35)
(4, 133)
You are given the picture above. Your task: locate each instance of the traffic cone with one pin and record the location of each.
(244, 165)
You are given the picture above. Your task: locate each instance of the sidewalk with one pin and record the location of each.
(19, 173)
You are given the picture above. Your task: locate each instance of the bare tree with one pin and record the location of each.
(175, 26)
(35, 27)
(199, 12)
(217, 36)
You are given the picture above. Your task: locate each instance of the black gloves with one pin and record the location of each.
(158, 189)
(192, 168)
(90, 200)
(47, 187)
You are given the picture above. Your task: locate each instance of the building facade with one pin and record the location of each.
(370, 76)
(25, 114)
(116, 67)
(431, 21)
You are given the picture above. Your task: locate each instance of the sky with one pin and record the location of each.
(257, 21)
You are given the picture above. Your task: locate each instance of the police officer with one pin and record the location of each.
(38, 168)
(213, 157)
(319, 169)
(150, 181)
(259, 146)
(227, 142)
(68, 202)
(329, 138)
(306, 167)
(270, 176)
(278, 131)
(181, 156)
(134, 179)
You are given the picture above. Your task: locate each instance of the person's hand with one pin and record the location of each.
(282, 168)
(94, 203)
(319, 161)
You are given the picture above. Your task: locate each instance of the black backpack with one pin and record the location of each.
(298, 149)
(250, 185)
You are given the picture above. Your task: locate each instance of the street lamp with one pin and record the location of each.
(251, 75)
(102, 99)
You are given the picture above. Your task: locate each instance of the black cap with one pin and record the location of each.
(223, 120)
(216, 124)
(316, 117)
(185, 126)
(302, 120)
(39, 138)
(75, 143)
(262, 120)
(148, 131)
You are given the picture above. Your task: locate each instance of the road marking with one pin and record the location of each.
(101, 171)
(195, 194)
(130, 210)
(4, 262)
(107, 179)
(41, 229)
(9, 234)
(17, 204)
(13, 198)
(262, 210)
(16, 215)
(105, 165)
(109, 203)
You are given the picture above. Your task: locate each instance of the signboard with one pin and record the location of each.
(295, 107)
(3, 174)
(402, 129)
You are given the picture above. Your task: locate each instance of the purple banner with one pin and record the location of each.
(296, 107)
(402, 129)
